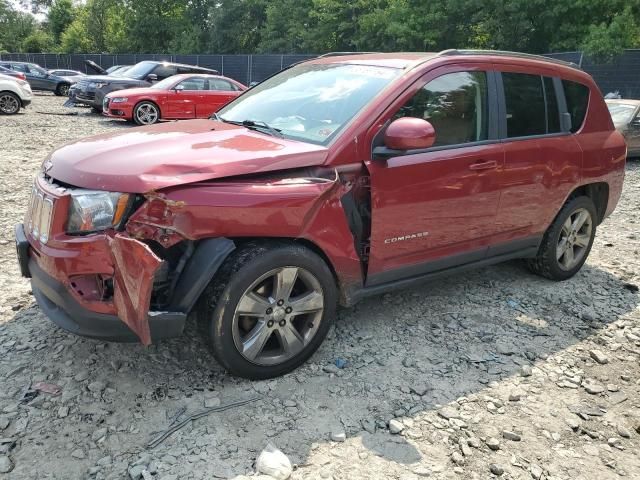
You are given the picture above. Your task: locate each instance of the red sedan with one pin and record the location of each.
(176, 97)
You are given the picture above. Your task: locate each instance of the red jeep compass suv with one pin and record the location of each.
(338, 178)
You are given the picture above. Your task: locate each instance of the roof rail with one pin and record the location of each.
(503, 53)
(338, 54)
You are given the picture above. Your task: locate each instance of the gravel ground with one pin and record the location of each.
(494, 373)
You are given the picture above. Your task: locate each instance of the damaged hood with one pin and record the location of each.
(149, 158)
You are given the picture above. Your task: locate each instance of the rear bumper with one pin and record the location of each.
(65, 311)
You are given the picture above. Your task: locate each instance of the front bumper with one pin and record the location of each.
(26, 102)
(117, 110)
(89, 96)
(64, 310)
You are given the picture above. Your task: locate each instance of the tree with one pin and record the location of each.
(60, 16)
(75, 39)
(15, 26)
(38, 42)
(605, 41)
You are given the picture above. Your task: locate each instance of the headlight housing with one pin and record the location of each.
(94, 211)
(97, 84)
(119, 99)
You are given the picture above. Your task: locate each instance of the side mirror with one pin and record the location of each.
(408, 133)
(178, 88)
(152, 77)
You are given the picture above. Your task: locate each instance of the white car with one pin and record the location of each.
(14, 94)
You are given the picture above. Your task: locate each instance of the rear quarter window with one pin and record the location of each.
(577, 96)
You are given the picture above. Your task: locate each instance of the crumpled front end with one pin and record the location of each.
(99, 285)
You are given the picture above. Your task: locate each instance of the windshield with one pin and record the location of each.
(620, 112)
(118, 72)
(311, 102)
(141, 70)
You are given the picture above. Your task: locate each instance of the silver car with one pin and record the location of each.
(626, 118)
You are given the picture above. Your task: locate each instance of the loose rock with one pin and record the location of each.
(273, 462)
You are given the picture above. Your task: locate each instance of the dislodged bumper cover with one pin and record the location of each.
(135, 266)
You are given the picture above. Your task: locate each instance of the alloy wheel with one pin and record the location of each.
(278, 316)
(574, 239)
(64, 90)
(9, 104)
(147, 114)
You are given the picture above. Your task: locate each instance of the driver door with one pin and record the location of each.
(436, 208)
(183, 98)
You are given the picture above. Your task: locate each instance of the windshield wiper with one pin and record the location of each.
(251, 125)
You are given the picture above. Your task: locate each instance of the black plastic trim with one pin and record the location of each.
(522, 247)
(58, 304)
(22, 250)
(200, 269)
(417, 280)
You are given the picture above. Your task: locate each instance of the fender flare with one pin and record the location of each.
(207, 258)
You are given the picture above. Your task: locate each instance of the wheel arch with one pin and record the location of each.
(598, 192)
(146, 100)
(209, 255)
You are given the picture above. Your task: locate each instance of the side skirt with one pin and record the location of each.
(409, 282)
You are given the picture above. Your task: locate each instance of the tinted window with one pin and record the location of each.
(526, 113)
(553, 113)
(164, 71)
(455, 104)
(577, 96)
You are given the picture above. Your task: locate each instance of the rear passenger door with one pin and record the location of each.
(218, 94)
(542, 159)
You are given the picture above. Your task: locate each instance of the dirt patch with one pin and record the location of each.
(493, 372)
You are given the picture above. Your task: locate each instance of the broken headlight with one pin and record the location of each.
(93, 211)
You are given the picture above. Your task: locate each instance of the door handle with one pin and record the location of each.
(484, 165)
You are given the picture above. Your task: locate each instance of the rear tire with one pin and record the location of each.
(567, 242)
(9, 103)
(248, 312)
(62, 90)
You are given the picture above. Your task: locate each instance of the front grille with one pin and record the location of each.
(86, 95)
(38, 221)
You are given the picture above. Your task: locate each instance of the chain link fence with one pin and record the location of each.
(244, 68)
(621, 74)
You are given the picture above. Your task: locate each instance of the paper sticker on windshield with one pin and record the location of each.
(369, 71)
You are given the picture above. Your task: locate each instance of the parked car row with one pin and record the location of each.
(39, 78)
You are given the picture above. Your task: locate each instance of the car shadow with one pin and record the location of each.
(405, 353)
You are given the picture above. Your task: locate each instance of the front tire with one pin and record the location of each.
(268, 309)
(567, 242)
(9, 103)
(146, 113)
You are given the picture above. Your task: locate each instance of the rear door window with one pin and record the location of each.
(577, 96)
(525, 104)
(219, 84)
